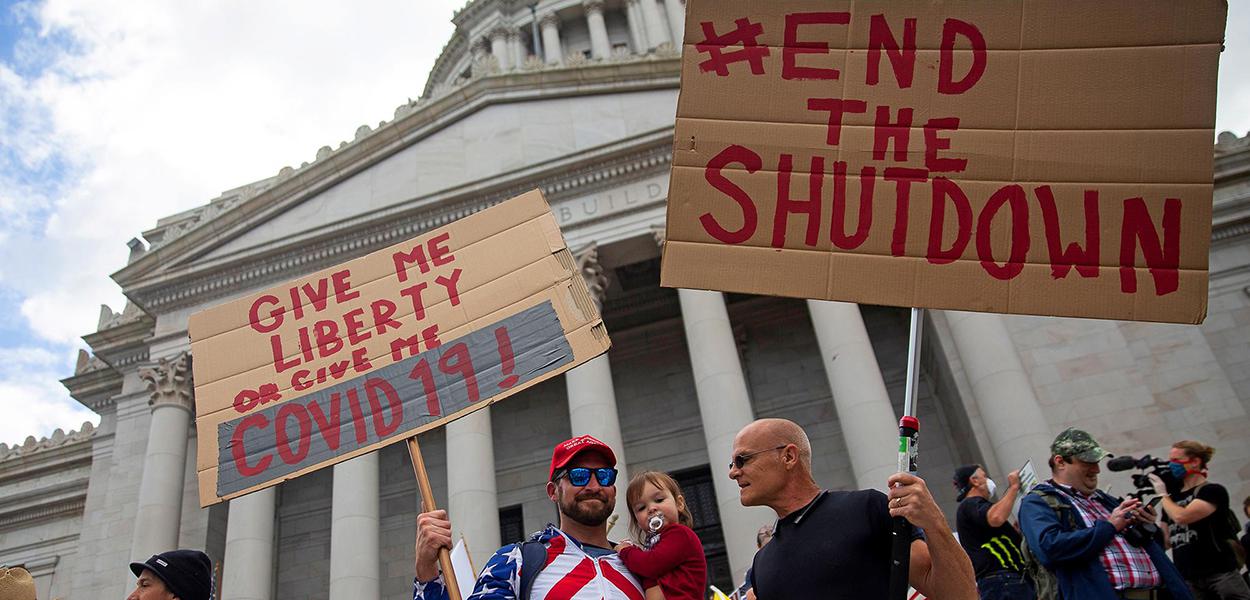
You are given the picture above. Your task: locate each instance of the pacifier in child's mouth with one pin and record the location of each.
(655, 522)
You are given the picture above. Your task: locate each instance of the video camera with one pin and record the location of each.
(1141, 481)
(1139, 534)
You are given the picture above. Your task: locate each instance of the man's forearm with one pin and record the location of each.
(950, 575)
(1001, 510)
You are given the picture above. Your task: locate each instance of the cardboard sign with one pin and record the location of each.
(1028, 481)
(1031, 156)
(378, 349)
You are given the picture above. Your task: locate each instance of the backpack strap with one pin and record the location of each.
(533, 561)
(1062, 510)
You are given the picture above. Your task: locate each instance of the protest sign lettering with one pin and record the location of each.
(1030, 156)
(378, 349)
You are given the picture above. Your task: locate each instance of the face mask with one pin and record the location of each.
(989, 483)
(1178, 470)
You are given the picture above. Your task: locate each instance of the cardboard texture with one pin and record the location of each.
(1030, 156)
(318, 370)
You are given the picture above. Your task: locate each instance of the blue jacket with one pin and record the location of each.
(1072, 552)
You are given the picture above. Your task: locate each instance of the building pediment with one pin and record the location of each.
(439, 159)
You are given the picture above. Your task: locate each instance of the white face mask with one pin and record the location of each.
(989, 483)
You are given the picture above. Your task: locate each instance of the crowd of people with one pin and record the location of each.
(1069, 540)
(1074, 541)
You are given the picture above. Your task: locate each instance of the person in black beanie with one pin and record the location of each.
(181, 574)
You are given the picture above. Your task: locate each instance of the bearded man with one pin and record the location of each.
(577, 554)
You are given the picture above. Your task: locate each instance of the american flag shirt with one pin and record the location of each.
(1127, 565)
(570, 573)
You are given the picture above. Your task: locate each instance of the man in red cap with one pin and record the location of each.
(573, 561)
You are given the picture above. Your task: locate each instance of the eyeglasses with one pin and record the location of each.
(741, 460)
(580, 476)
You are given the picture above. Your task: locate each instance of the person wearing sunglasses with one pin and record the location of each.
(573, 560)
(830, 545)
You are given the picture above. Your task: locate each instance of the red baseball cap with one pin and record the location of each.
(565, 451)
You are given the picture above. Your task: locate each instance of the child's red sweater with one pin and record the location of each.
(676, 562)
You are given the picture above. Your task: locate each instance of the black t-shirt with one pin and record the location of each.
(1200, 549)
(838, 546)
(992, 549)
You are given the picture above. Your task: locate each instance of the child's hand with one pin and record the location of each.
(623, 544)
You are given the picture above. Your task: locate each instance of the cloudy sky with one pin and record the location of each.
(113, 114)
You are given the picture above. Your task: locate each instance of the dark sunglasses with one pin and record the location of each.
(580, 476)
(741, 460)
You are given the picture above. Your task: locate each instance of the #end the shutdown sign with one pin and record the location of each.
(373, 351)
(1032, 156)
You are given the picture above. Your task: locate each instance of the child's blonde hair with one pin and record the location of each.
(633, 495)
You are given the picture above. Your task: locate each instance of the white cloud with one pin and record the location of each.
(32, 400)
(113, 115)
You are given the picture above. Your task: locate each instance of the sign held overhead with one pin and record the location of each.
(378, 349)
(1031, 156)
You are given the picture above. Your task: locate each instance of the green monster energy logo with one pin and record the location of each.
(1006, 558)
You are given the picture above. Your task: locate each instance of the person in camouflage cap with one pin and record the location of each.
(1076, 532)
(1074, 443)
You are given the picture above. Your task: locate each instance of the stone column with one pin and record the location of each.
(657, 33)
(518, 48)
(499, 48)
(869, 426)
(472, 501)
(551, 39)
(676, 20)
(1013, 418)
(249, 547)
(637, 31)
(159, 511)
(592, 398)
(600, 48)
(354, 554)
(724, 408)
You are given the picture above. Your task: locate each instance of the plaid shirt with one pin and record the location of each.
(1127, 565)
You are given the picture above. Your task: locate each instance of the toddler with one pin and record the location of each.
(672, 565)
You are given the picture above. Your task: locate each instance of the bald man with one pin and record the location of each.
(831, 544)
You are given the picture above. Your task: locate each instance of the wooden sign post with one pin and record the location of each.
(427, 505)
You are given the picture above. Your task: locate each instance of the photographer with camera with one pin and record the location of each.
(1202, 529)
(1082, 535)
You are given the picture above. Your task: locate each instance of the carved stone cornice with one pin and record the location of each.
(596, 277)
(659, 232)
(56, 510)
(610, 166)
(94, 388)
(169, 383)
(58, 440)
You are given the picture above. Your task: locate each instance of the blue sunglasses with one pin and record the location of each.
(580, 476)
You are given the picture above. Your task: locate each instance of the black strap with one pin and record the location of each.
(533, 561)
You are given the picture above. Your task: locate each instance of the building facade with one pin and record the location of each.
(578, 98)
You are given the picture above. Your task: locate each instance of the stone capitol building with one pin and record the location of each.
(577, 97)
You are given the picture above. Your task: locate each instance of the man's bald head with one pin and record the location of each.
(770, 433)
(773, 465)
